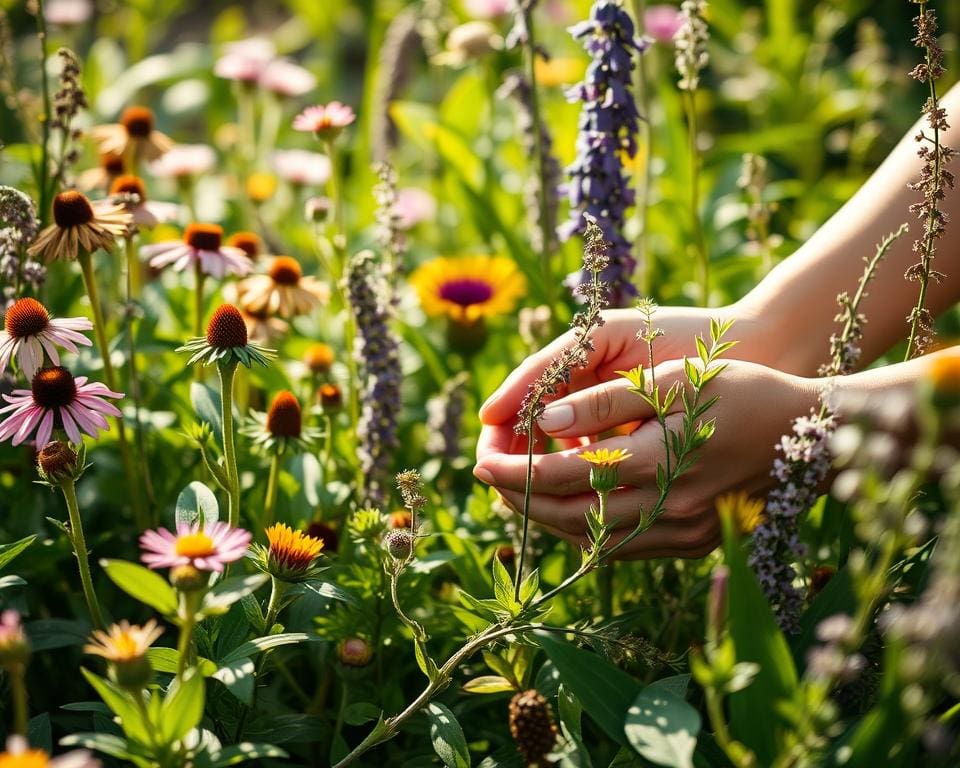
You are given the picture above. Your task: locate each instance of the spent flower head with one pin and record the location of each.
(79, 224)
(59, 463)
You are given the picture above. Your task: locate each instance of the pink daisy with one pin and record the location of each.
(413, 206)
(662, 22)
(56, 400)
(244, 61)
(182, 161)
(205, 547)
(326, 121)
(28, 331)
(285, 78)
(201, 243)
(299, 166)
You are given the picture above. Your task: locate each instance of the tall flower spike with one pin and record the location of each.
(599, 186)
(378, 356)
(226, 339)
(691, 44)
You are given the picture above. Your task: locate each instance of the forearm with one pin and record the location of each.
(796, 302)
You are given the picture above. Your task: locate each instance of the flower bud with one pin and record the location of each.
(57, 463)
(331, 398)
(399, 543)
(187, 578)
(317, 209)
(14, 648)
(354, 652)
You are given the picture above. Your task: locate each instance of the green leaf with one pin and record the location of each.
(836, 597)
(675, 684)
(238, 677)
(106, 743)
(361, 712)
(167, 660)
(663, 728)
(757, 639)
(8, 552)
(225, 593)
(260, 644)
(332, 592)
(605, 692)
(196, 503)
(502, 584)
(206, 404)
(447, 736)
(488, 684)
(142, 584)
(120, 703)
(244, 752)
(426, 664)
(182, 707)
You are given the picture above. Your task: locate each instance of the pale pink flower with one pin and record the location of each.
(19, 752)
(488, 9)
(11, 630)
(67, 13)
(130, 192)
(28, 331)
(245, 60)
(413, 206)
(201, 243)
(285, 78)
(325, 120)
(205, 547)
(300, 166)
(184, 160)
(57, 400)
(662, 22)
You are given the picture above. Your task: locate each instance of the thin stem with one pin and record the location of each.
(277, 588)
(227, 371)
(44, 169)
(18, 692)
(527, 491)
(191, 602)
(99, 328)
(699, 242)
(270, 502)
(715, 712)
(418, 631)
(79, 543)
(199, 279)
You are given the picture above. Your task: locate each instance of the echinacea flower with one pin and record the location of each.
(262, 327)
(125, 646)
(244, 61)
(203, 244)
(248, 242)
(325, 121)
(67, 13)
(146, 213)
(318, 358)
(29, 331)
(302, 167)
(283, 290)
(206, 547)
(108, 167)
(57, 400)
(134, 134)
(58, 463)
(290, 556)
(469, 288)
(226, 341)
(183, 161)
(746, 513)
(284, 78)
(330, 396)
(14, 648)
(281, 427)
(662, 22)
(78, 223)
(19, 754)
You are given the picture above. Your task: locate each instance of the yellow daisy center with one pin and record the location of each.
(31, 758)
(125, 647)
(195, 545)
(293, 549)
(604, 457)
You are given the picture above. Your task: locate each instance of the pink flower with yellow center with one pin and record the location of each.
(29, 331)
(57, 400)
(201, 243)
(324, 120)
(204, 547)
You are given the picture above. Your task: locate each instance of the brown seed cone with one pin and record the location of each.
(532, 726)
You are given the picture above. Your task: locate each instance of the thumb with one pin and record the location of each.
(605, 406)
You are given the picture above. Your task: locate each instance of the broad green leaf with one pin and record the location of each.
(196, 503)
(142, 584)
(244, 752)
(332, 592)
(166, 660)
(238, 677)
(663, 728)
(675, 684)
(182, 708)
(225, 593)
(605, 692)
(206, 404)
(107, 743)
(259, 644)
(757, 639)
(488, 684)
(120, 703)
(447, 736)
(361, 712)
(10, 551)
(49, 634)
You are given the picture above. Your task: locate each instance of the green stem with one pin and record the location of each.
(270, 502)
(100, 331)
(518, 577)
(79, 543)
(605, 576)
(643, 176)
(720, 731)
(277, 588)
(227, 370)
(699, 242)
(199, 279)
(191, 601)
(42, 184)
(18, 692)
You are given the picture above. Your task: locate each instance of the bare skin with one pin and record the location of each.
(783, 327)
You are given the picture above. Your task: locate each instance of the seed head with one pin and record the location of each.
(399, 543)
(226, 328)
(71, 209)
(138, 121)
(26, 317)
(284, 418)
(532, 726)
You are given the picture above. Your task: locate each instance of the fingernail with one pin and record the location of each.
(556, 417)
(483, 475)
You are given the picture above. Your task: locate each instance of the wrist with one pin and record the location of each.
(766, 333)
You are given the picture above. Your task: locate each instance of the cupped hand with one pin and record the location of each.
(756, 406)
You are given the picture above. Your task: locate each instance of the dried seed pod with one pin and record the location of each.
(532, 726)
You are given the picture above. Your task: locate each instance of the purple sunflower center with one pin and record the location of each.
(466, 291)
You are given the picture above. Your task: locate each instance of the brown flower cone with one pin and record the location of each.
(532, 726)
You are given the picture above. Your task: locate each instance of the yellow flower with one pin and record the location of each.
(261, 186)
(291, 553)
(604, 457)
(469, 288)
(944, 373)
(559, 71)
(123, 642)
(745, 512)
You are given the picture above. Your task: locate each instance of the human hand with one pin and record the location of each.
(756, 406)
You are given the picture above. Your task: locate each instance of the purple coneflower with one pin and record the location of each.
(204, 547)
(57, 400)
(134, 133)
(245, 60)
(28, 331)
(201, 243)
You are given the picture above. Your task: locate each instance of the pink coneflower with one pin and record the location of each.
(285, 78)
(324, 120)
(183, 161)
(244, 61)
(134, 133)
(146, 213)
(413, 206)
(57, 400)
(67, 13)
(662, 22)
(204, 547)
(301, 167)
(201, 243)
(28, 330)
